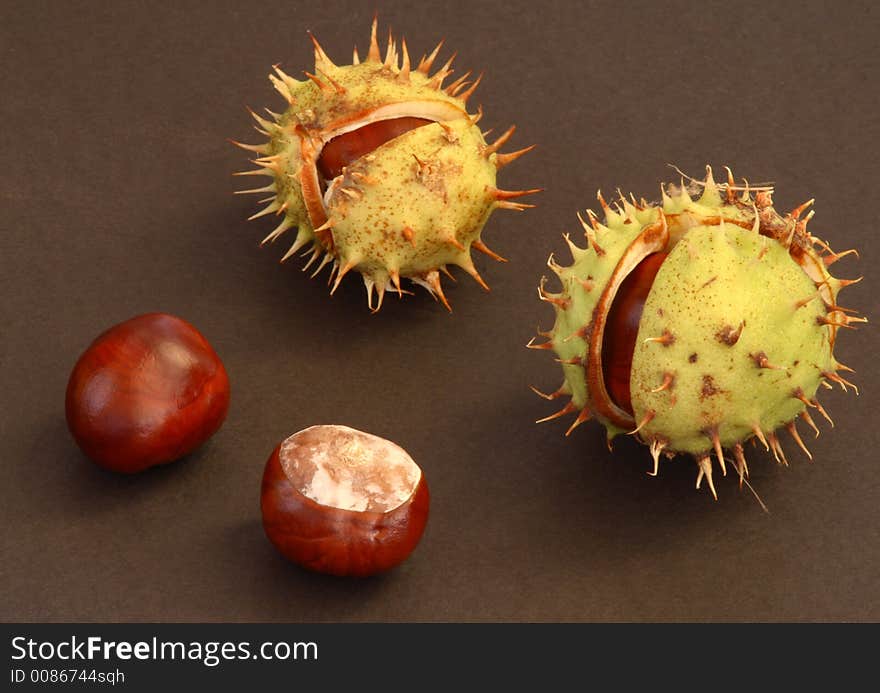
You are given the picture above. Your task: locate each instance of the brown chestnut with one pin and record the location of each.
(622, 329)
(146, 392)
(351, 146)
(340, 501)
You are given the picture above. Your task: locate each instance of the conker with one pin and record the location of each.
(622, 329)
(146, 392)
(340, 501)
(342, 150)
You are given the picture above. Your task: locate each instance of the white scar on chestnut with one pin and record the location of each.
(381, 169)
(349, 469)
(698, 323)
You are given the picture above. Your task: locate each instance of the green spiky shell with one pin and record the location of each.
(370, 230)
(737, 331)
(410, 208)
(731, 298)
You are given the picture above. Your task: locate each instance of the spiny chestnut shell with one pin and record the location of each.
(412, 206)
(339, 540)
(146, 392)
(737, 330)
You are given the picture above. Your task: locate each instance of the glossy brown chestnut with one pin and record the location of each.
(146, 392)
(340, 501)
(343, 149)
(622, 329)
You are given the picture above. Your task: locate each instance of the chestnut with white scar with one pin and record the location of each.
(340, 501)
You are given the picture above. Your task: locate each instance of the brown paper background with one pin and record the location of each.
(115, 199)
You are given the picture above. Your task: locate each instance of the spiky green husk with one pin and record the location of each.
(737, 332)
(413, 206)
